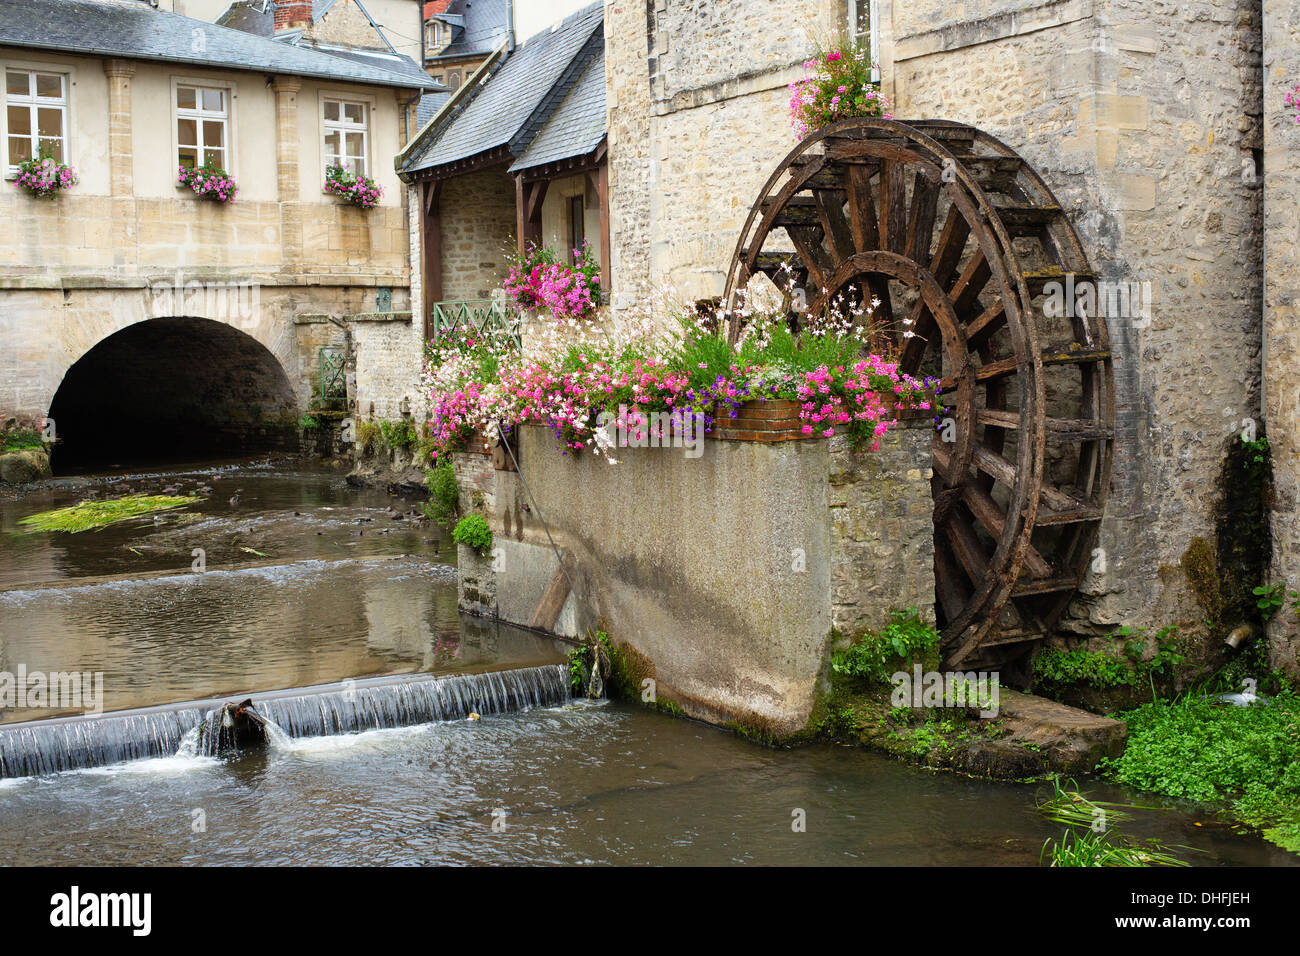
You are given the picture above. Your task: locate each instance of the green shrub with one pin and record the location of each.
(874, 657)
(399, 435)
(473, 532)
(1055, 668)
(1202, 749)
(21, 438)
(444, 494)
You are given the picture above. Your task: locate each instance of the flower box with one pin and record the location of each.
(208, 182)
(773, 420)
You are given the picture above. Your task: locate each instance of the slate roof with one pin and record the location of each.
(480, 26)
(511, 106)
(576, 127)
(134, 30)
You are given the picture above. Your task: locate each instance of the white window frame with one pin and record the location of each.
(200, 116)
(343, 127)
(34, 103)
(873, 21)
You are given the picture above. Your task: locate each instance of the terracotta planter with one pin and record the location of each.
(773, 420)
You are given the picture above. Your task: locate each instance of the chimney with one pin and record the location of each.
(292, 14)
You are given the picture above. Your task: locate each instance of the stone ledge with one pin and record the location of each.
(378, 317)
(1009, 23)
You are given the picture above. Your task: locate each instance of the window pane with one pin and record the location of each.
(49, 84)
(215, 157)
(20, 121)
(214, 133)
(354, 113)
(188, 156)
(332, 144)
(214, 100)
(16, 84)
(187, 132)
(185, 97)
(53, 148)
(49, 121)
(354, 167)
(355, 143)
(331, 111)
(20, 148)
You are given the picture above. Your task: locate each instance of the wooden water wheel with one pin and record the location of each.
(958, 241)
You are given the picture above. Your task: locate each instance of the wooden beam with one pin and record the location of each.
(431, 244)
(529, 197)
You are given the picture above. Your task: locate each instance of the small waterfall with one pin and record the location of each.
(195, 728)
(378, 706)
(51, 746)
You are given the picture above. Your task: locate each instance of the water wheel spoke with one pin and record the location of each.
(966, 547)
(862, 218)
(808, 244)
(893, 206)
(993, 519)
(952, 240)
(830, 210)
(920, 221)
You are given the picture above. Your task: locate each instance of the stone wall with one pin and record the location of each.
(720, 575)
(882, 535)
(478, 228)
(1282, 301)
(698, 118)
(1142, 118)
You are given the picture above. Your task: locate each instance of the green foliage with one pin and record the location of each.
(93, 515)
(874, 656)
(1270, 598)
(597, 650)
(399, 435)
(307, 422)
(1092, 839)
(1107, 848)
(1203, 749)
(1255, 452)
(473, 531)
(1055, 668)
(21, 438)
(368, 438)
(444, 493)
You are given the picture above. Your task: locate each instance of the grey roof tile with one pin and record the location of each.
(134, 30)
(576, 127)
(499, 112)
(483, 27)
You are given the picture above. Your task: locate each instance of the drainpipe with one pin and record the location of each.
(510, 26)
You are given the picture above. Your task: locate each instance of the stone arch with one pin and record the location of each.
(169, 388)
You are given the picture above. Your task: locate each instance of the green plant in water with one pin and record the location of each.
(1202, 749)
(1089, 848)
(444, 493)
(1091, 839)
(473, 531)
(875, 656)
(93, 515)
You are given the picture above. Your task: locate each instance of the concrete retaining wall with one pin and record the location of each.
(721, 576)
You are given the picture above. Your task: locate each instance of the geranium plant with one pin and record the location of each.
(209, 182)
(45, 176)
(538, 280)
(356, 189)
(836, 85)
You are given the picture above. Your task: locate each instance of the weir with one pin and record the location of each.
(76, 743)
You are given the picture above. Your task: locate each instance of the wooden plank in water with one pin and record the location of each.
(548, 609)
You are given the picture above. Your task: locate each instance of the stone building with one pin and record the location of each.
(132, 310)
(1162, 130)
(517, 157)
(459, 35)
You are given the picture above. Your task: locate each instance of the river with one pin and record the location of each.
(309, 580)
